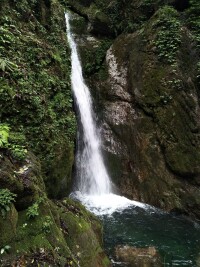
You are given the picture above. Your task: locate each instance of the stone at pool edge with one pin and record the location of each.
(138, 257)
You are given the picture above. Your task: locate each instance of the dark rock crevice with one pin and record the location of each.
(181, 5)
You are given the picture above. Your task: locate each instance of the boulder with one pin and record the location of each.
(138, 257)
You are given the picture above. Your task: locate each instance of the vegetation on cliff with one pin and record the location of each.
(37, 132)
(36, 101)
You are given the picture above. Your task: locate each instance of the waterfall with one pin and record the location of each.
(94, 188)
(93, 177)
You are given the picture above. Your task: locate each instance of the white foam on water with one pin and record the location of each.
(106, 204)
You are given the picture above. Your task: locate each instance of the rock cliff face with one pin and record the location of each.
(37, 132)
(146, 87)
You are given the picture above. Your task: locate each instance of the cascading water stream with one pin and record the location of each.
(93, 179)
(94, 185)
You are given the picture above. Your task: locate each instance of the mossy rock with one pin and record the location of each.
(59, 173)
(78, 24)
(39, 240)
(22, 178)
(8, 177)
(8, 226)
(58, 235)
(84, 234)
(32, 235)
(100, 23)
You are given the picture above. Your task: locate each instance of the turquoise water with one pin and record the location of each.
(176, 238)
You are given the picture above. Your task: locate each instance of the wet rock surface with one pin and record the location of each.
(155, 128)
(138, 257)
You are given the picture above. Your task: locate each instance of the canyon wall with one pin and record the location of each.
(141, 61)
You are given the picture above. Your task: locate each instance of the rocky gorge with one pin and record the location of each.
(145, 87)
(141, 61)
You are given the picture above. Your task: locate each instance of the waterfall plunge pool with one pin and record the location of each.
(135, 224)
(176, 239)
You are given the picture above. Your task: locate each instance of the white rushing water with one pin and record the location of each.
(93, 175)
(94, 185)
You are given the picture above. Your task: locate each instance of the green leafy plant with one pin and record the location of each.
(94, 58)
(168, 34)
(6, 64)
(17, 142)
(6, 199)
(193, 20)
(18, 152)
(4, 134)
(6, 36)
(13, 142)
(33, 211)
(46, 227)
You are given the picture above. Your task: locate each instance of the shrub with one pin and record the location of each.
(4, 133)
(6, 199)
(168, 37)
(32, 211)
(13, 142)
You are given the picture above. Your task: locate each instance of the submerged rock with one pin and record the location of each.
(138, 257)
